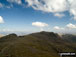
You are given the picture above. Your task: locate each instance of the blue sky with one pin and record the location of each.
(28, 16)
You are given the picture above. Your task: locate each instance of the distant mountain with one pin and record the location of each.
(69, 37)
(1, 35)
(40, 44)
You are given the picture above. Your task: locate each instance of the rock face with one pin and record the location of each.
(41, 44)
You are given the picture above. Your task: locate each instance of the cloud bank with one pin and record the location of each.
(50, 6)
(54, 6)
(68, 26)
(71, 26)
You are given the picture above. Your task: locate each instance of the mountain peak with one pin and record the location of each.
(49, 33)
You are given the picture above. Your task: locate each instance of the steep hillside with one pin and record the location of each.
(41, 44)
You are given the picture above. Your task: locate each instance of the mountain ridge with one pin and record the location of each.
(40, 44)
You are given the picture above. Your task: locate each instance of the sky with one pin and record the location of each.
(27, 16)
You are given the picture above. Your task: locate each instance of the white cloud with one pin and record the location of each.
(66, 28)
(5, 6)
(58, 28)
(54, 6)
(59, 15)
(1, 5)
(1, 19)
(39, 24)
(71, 26)
(48, 5)
(15, 1)
(9, 6)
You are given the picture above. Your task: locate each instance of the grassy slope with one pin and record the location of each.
(43, 44)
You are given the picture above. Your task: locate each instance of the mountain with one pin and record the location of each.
(40, 44)
(70, 38)
(1, 35)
